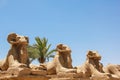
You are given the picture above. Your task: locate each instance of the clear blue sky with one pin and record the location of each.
(81, 24)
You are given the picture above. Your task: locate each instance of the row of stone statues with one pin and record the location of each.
(17, 59)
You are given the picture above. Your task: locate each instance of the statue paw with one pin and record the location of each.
(70, 71)
(22, 65)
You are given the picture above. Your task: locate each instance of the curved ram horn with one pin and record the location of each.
(27, 39)
(12, 38)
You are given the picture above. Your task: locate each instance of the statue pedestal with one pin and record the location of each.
(38, 72)
(18, 71)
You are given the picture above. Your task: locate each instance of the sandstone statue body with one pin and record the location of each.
(62, 61)
(113, 69)
(17, 55)
(92, 67)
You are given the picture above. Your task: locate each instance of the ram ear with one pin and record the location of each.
(27, 39)
(12, 38)
(89, 54)
(59, 46)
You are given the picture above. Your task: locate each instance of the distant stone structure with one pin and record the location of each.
(16, 65)
(113, 69)
(92, 67)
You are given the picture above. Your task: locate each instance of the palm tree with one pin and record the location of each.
(32, 52)
(43, 49)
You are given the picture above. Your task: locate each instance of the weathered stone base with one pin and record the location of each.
(41, 75)
(66, 75)
(70, 79)
(26, 78)
(31, 77)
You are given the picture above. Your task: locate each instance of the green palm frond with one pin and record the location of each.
(51, 56)
(42, 49)
(45, 41)
(50, 52)
(48, 47)
(32, 53)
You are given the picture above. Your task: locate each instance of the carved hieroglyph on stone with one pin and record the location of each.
(62, 61)
(92, 67)
(17, 55)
